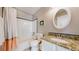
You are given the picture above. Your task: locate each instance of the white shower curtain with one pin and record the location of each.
(1, 32)
(10, 28)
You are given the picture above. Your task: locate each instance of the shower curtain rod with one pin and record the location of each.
(25, 19)
(2, 11)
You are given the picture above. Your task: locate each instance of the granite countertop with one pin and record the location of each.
(71, 44)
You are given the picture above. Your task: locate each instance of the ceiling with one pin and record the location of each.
(29, 10)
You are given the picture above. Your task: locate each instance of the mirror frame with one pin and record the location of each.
(55, 13)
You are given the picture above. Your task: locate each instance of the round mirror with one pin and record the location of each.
(61, 18)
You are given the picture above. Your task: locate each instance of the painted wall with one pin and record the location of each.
(46, 14)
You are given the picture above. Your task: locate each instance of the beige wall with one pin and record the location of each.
(46, 14)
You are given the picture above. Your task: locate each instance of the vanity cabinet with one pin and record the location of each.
(47, 46)
(59, 48)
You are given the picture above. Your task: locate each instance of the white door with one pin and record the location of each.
(25, 29)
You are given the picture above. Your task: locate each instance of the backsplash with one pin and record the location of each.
(63, 35)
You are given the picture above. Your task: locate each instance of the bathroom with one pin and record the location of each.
(39, 29)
